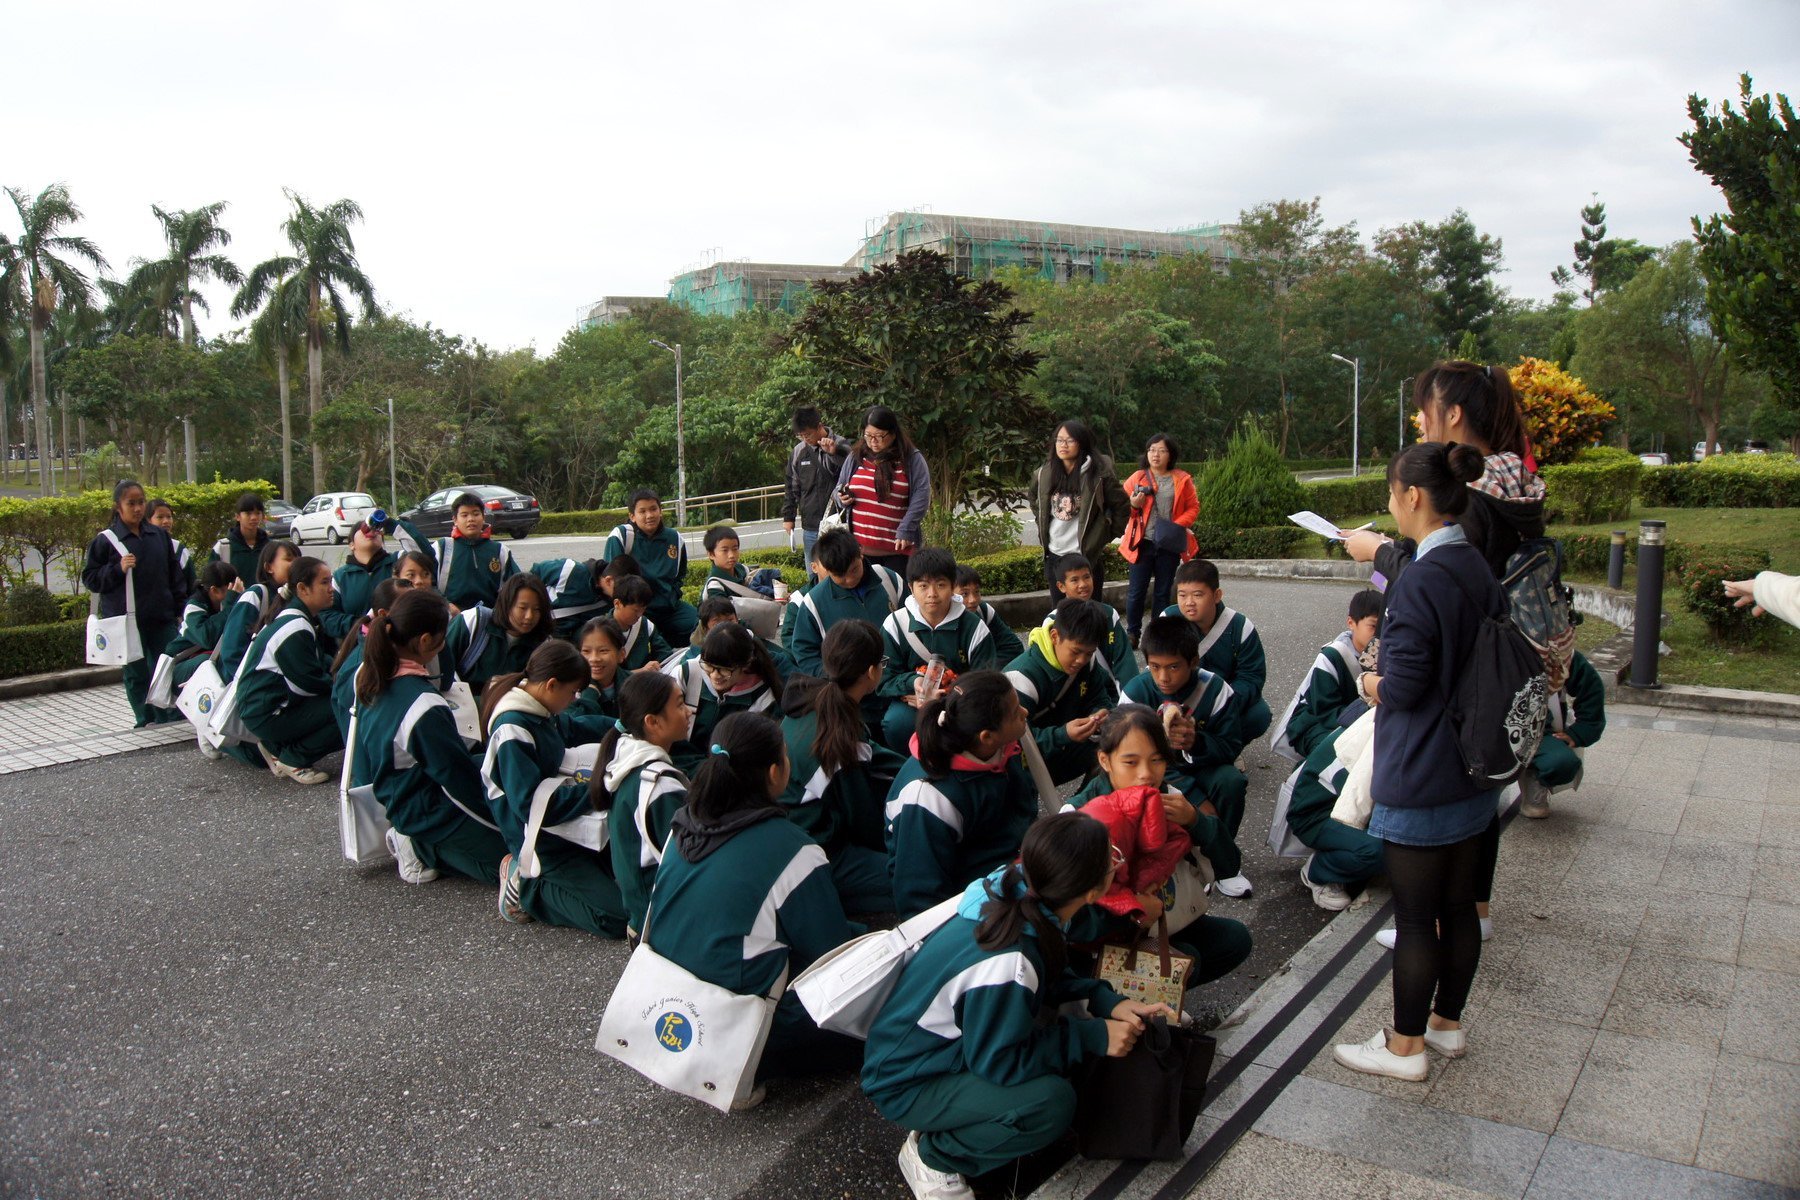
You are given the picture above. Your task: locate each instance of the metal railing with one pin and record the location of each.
(763, 502)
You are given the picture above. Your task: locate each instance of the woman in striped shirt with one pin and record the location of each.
(887, 485)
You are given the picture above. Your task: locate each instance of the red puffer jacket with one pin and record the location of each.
(1141, 832)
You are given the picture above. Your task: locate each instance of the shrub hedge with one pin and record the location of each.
(1272, 541)
(1598, 486)
(1589, 553)
(36, 649)
(1336, 498)
(1724, 481)
(1703, 577)
(595, 521)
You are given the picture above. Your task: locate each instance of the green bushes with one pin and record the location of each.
(968, 534)
(1005, 572)
(1587, 554)
(1724, 481)
(1250, 486)
(32, 604)
(1703, 578)
(1598, 486)
(1268, 541)
(1335, 498)
(595, 521)
(37, 649)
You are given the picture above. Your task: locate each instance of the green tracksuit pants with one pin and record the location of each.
(971, 1126)
(1556, 763)
(469, 849)
(573, 888)
(155, 639)
(1343, 855)
(300, 734)
(1226, 787)
(861, 878)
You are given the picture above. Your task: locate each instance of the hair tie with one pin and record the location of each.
(942, 713)
(721, 751)
(619, 724)
(1489, 372)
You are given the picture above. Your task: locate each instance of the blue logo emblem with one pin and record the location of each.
(205, 704)
(674, 1032)
(583, 776)
(99, 641)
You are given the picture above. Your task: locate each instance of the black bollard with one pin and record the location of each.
(1646, 630)
(1615, 566)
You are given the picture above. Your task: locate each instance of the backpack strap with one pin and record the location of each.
(479, 633)
(1218, 630)
(446, 554)
(130, 582)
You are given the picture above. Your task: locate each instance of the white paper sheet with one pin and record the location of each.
(1314, 523)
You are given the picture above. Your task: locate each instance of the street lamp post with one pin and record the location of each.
(1400, 415)
(680, 437)
(393, 485)
(1355, 365)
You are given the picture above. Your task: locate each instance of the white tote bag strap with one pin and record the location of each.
(130, 588)
(446, 554)
(912, 639)
(915, 930)
(1048, 799)
(346, 808)
(1218, 630)
(534, 825)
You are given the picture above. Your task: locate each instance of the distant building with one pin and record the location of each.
(610, 309)
(727, 288)
(978, 246)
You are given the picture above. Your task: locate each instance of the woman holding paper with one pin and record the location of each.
(131, 551)
(1158, 534)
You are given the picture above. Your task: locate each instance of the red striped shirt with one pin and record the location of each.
(874, 521)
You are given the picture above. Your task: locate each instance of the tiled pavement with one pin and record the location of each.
(62, 727)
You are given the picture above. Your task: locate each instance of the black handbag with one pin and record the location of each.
(1145, 1104)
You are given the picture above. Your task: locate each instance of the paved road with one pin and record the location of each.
(201, 998)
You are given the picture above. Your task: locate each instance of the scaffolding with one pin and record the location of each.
(979, 246)
(609, 310)
(728, 288)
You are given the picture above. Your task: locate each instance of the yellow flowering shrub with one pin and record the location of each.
(1562, 416)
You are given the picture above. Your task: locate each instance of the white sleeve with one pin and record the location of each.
(1779, 594)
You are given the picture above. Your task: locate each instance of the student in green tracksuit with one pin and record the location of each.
(733, 673)
(960, 805)
(970, 1053)
(638, 786)
(933, 621)
(258, 601)
(1063, 689)
(789, 611)
(662, 556)
(161, 514)
(243, 543)
(645, 649)
(1330, 686)
(1577, 719)
(408, 748)
(848, 589)
(366, 566)
(203, 619)
(1134, 751)
(350, 651)
(716, 609)
(574, 588)
(485, 643)
(743, 895)
(284, 694)
(1007, 645)
(471, 563)
(727, 576)
(543, 877)
(1343, 857)
(1205, 735)
(132, 567)
(590, 717)
(840, 779)
(1229, 643)
(1075, 576)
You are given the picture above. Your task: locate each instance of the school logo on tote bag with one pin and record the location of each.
(674, 1032)
(205, 702)
(99, 641)
(676, 1024)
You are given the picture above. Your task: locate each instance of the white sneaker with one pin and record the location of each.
(1534, 797)
(208, 751)
(1329, 896)
(407, 859)
(1374, 1058)
(305, 776)
(1451, 1043)
(927, 1183)
(1388, 936)
(1237, 887)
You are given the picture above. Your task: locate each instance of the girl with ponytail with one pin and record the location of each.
(258, 599)
(590, 718)
(203, 619)
(970, 1046)
(732, 673)
(545, 878)
(407, 746)
(743, 896)
(638, 785)
(959, 807)
(284, 688)
(350, 650)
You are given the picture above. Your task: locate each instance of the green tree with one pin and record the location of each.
(172, 282)
(278, 335)
(139, 388)
(38, 272)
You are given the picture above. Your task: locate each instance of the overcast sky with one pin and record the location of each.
(517, 161)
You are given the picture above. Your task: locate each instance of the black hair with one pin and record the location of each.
(735, 646)
(745, 747)
(1063, 479)
(1165, 439)
(413, 613)
(837, 551)
(624, 566)
(265, 558)
(156, 503)
(638, 497)
(1366, 603)
(1198, 570)
(1063, 858)
(720, 533)
(807, 417)
(1127, 717)
(303, 570)
(931, 562)
(1485, 394)
(251, 502)
(714, 607)
(422, 559)
(949, 724)
(122, 488)
(215, 574)
(896, 455)
(1173, 637)
(466, 500)
(1068, 564)
(1083, 622)
(850, 648)
(381, 599)
(642, 693)
(965, 575)
(1443, 472)
(605, 627)
(631, 589)
(554, 660)
(524, 581)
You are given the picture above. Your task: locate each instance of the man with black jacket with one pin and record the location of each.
(812, 471)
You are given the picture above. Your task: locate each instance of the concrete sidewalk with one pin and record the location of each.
(63, 727)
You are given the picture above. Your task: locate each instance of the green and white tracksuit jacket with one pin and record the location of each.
(479, 650)
(752, 694)
(647, 791)
(943, 832)
(1213, 705)
(471, 570)
(1233, 649)
(352, 586)
(1117, 656)
(285, 663)
(1329, 687)
(824, 604)
(524, 754)
(961, 639)
(661, 555)
(1007, 645)
(1054, 698)
(407, 746)
(844, 808)
(575, 595)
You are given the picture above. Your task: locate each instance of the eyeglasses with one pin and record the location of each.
(1067, 441)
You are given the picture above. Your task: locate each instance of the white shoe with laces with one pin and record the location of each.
(1388, 936)
(412, 870)
(305, 776)
(928, 1183)
(1237, 887)
(1329, 896)
(1374, 1058)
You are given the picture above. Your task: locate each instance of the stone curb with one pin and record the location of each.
(59, 681)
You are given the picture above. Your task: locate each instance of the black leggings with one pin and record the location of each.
(1438, 944)
(1490, 859)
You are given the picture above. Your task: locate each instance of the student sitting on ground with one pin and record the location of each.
(1229, 643)
(744, 895)
(523, 772)
(1007, 645)
(638, 785)
(1064, 691)
(284, 695)
(485, 643)
(840, 779)
(645, 649)
(963, 800)
(848, 589)
(408, 748)
(574, 590)
(1577, 719)
(471, 562)
(733, 674)
(932, 623)
(727, 576)
(255, 605)
(1075, 577)
(203, 619)
(243, 543)
(1330, 686)
(970, 1053)
(1205, 737)
(592, 714)
(619, 568)
(662, 556)
(350, 651)
(367, 565)
(715, 610)
(1344, 857)
(1135, 753)
(416, 567)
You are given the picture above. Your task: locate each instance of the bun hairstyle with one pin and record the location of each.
(411, 613)
(642, 693)
(1064, 857)
(849, 650)
(555, 660)
(1125, 719)
(735, 775)
(733, 645)
(380, 600)
(219, 574)
(979, 702)
(1443, 472)
(1485, 394)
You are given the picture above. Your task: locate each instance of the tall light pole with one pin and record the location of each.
(1400, 415)
(393, 486)
(680, 438)
(1355, 365)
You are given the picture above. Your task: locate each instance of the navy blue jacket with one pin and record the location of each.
(1433, 613)
(158, 579)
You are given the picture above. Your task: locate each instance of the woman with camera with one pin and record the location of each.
(1164, 507)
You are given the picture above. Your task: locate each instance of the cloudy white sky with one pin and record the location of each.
(515, 161)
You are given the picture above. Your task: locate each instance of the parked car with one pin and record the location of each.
(1654, 459)
(1700, 450)
(508, 511)
(330, 517)
(1756, 447)
(278, 519)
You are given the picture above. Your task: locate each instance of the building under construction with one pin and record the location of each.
(724, 288)
(609, 310)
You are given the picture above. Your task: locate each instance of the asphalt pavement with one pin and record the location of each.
(202, 999)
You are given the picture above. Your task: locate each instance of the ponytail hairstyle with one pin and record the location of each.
(1442, 471)
(733, 645)
(219, 574)
(411, 613)
(1064, 857)
(979, 702)
(642, 693)
(524, 581)
(1485, 394)
(554, 660)
(122, 489)
(271, 552)
(302, 570)
(849, 650)
(420, 559)
(1126, 718)
(735, 775)
(380, 600)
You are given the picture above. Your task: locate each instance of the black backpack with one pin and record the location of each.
(1500, 701)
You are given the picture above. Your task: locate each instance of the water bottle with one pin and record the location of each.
(933, 679)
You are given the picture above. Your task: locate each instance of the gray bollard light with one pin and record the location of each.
(1615, 565)
(1646, 632)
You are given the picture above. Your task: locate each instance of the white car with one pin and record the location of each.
(330, 517)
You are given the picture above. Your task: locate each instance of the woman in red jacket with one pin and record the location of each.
(1164, 507)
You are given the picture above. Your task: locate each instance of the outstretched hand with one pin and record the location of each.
(1744, 592)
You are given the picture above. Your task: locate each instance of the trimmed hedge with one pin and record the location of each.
(1703, 578)
(1589, 554)
(1273, 541)
(1335, 498)
(37, 649)
(1724, 481)
(594, 521)
(1598, 486)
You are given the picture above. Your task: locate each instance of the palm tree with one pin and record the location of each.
(172, 282)
(323, 262)
(36, 271)
(278, 334)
